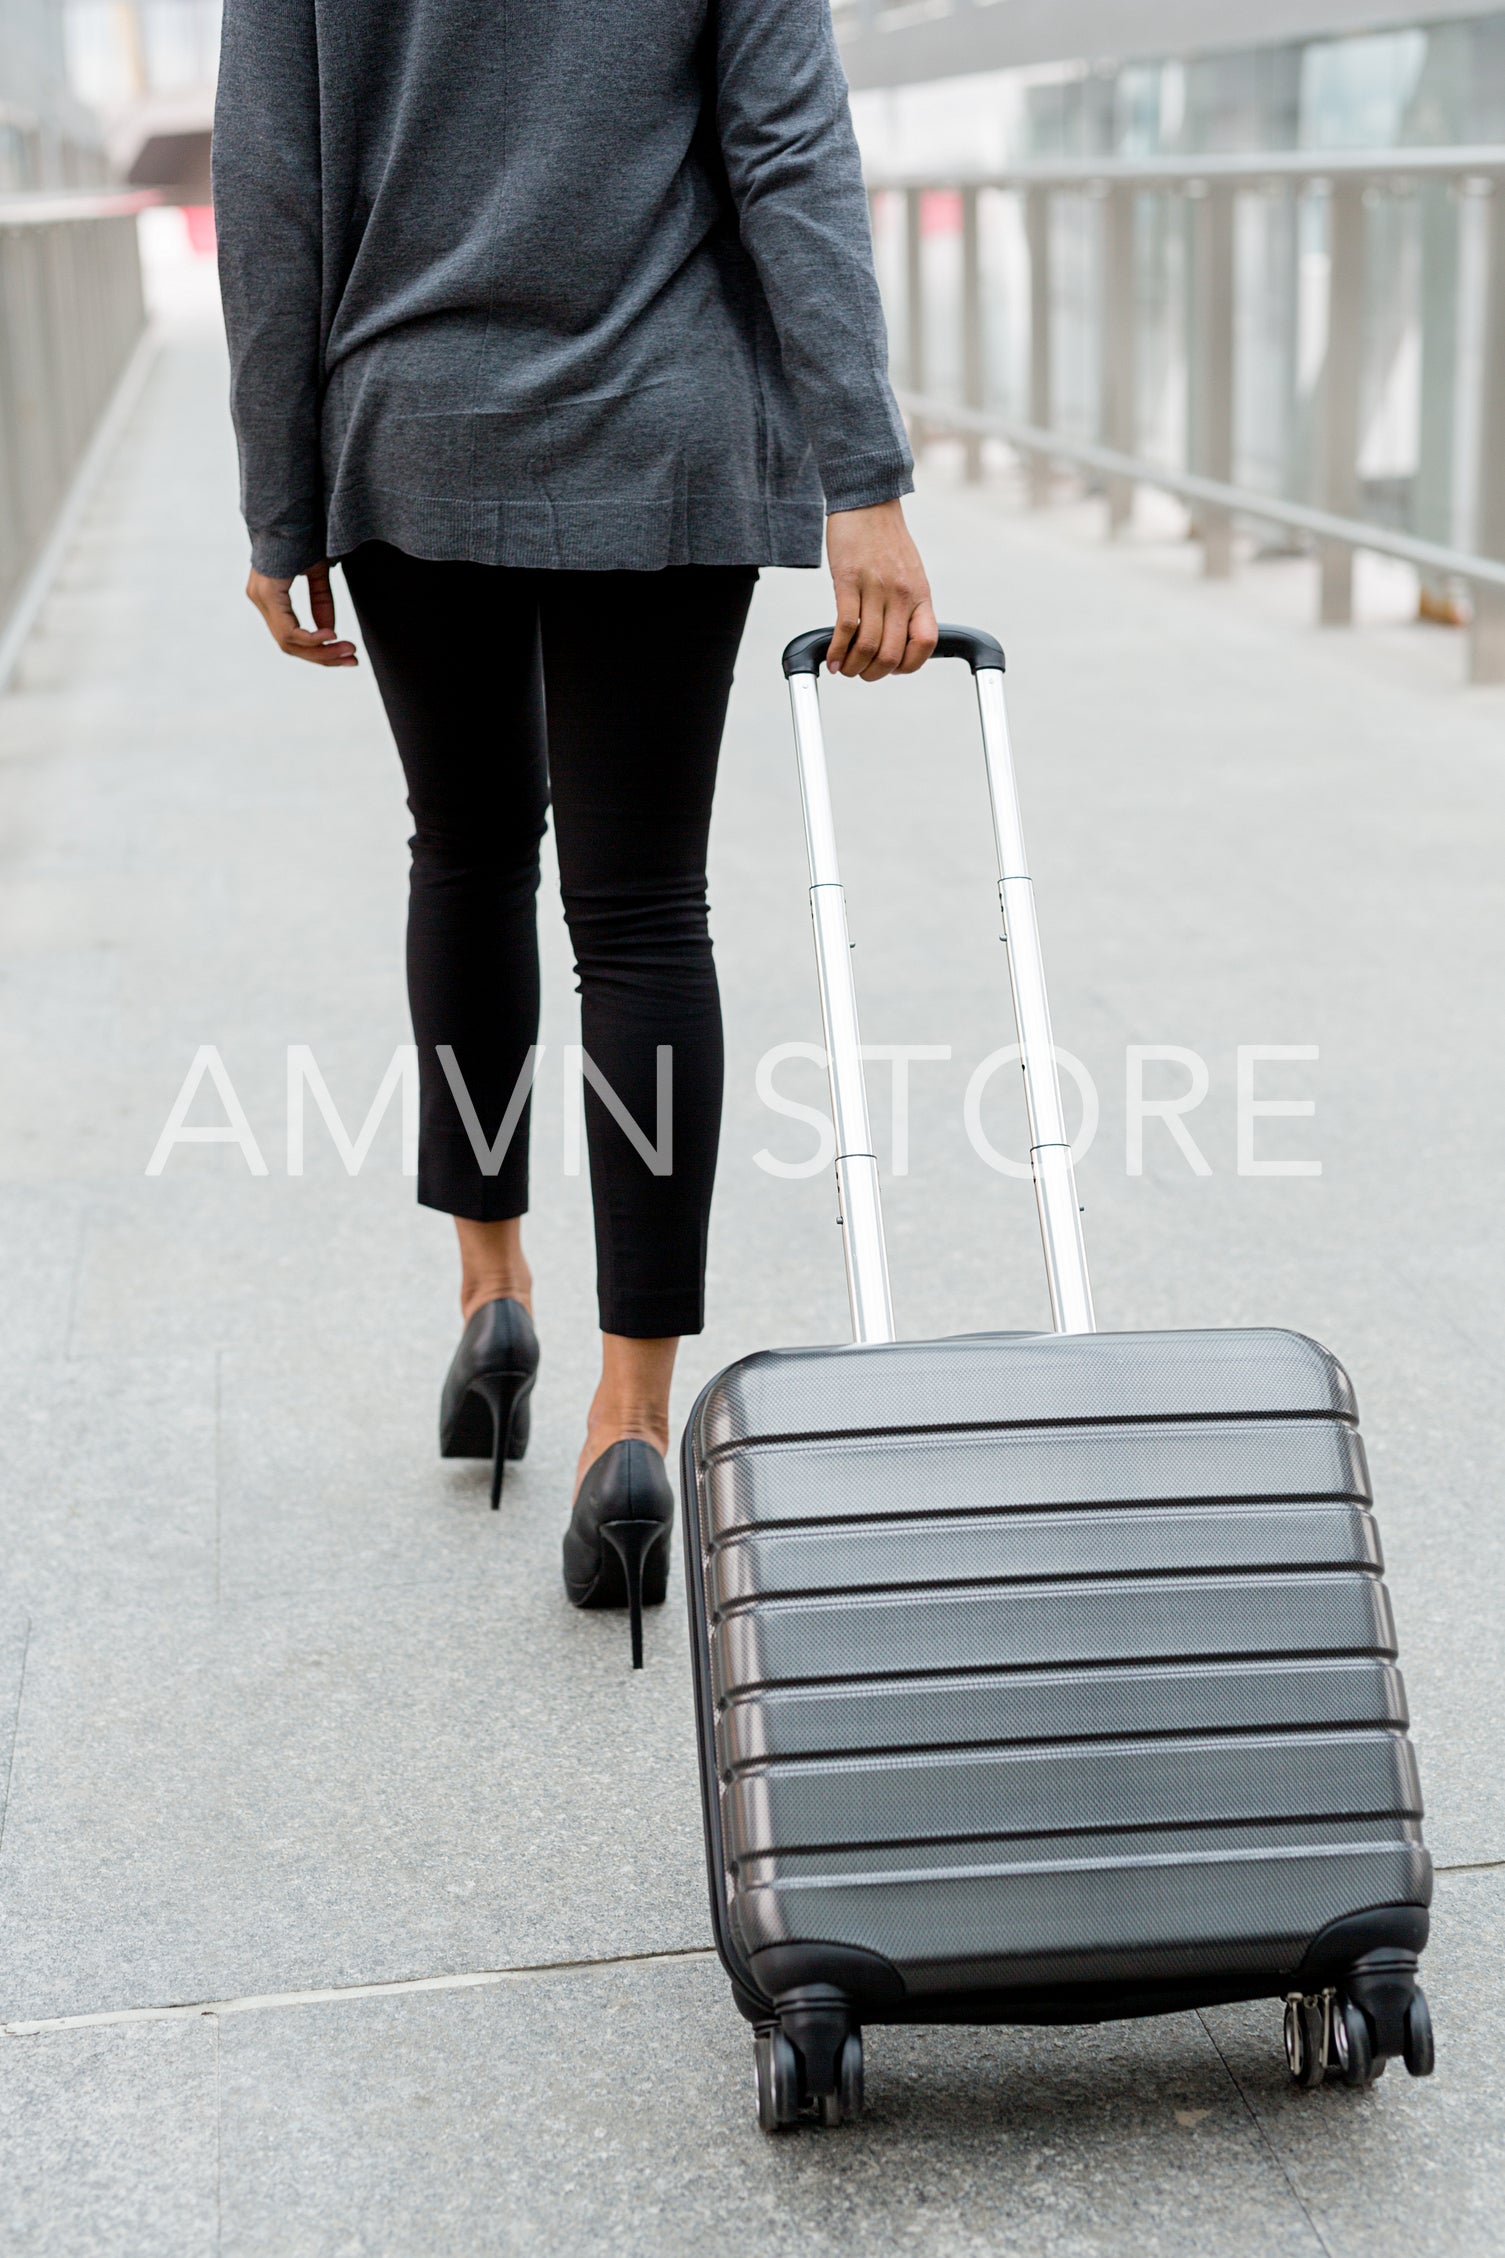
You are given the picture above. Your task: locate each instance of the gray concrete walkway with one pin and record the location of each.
(351, 1895)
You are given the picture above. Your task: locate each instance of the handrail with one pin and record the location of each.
(1483, 161)
(42, 208)
(71, 315)
(1242, 501)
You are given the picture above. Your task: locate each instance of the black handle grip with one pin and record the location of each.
(805, 654)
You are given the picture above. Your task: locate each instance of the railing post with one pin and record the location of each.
(914, 302)
(1434, 517)
(12, 542)
(31, 395)
(974, 385)
(1486, 658)
(1211, 373)
(1119, 416)
(1341, 378)
(1037, 237)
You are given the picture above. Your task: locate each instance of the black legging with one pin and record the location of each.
(638, 668)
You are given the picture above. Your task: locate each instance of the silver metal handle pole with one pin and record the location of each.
(861, 1211)
(1050, 1153)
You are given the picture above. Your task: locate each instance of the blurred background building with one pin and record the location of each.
(147, 69)
(1248, 78)
(49, 136)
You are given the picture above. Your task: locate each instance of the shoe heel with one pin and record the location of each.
(504, 1393)
(633, 1543)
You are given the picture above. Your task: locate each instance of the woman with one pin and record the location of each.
(552, 323)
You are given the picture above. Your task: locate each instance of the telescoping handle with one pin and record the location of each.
(856, 1164)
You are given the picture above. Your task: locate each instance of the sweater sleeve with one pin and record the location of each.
(267, 211)
(791, 159)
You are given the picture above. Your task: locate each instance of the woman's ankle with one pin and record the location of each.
(602, 1431)
(608, 1426)
(631, 1401)
(493, 1266)
(476, 1292)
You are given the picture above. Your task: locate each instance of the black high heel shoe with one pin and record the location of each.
(484, 1411)
(616, 1548)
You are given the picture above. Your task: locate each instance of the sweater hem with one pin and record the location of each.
(590, 536)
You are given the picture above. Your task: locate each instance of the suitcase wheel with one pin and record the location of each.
(1306, 2037)
(782, 2086)
(851, 2076)
(1352, 2045)
(776, 2079)
(1351, 2034)
(845, 2104)
(1420, 2050)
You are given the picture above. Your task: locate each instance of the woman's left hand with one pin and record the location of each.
(884, 622)
(319, 643)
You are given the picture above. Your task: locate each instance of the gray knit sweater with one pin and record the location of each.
(547, 282)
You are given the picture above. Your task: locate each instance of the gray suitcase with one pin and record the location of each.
(1040, 1678)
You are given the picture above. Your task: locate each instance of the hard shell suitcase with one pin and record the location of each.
(1039, 1677)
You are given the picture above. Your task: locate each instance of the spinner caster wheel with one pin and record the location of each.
(1306, 2035)
(1294, 2034)
(1420, 2048)
(850, 2077)
(777, 2080)
(1352, 2044)
(845, 2104)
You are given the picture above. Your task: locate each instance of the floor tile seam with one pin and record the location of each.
(402, 1986)
(219, 2142)
(397, 1987)
(1262, 2134)
(15, 1728)
(217, 1461)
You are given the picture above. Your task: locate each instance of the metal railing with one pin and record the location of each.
(1317, 492)
(71, 313)
(894, 43)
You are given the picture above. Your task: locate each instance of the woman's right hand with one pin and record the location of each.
(884, 620)
(319, 643)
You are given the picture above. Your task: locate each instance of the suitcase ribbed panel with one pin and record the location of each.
(997, 1793)
(1042, 1658)
(973, 1929)
(1147, 1464)
(787, 1641)
(1129, 1846)
(1028, 1705)
(887, 1555)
